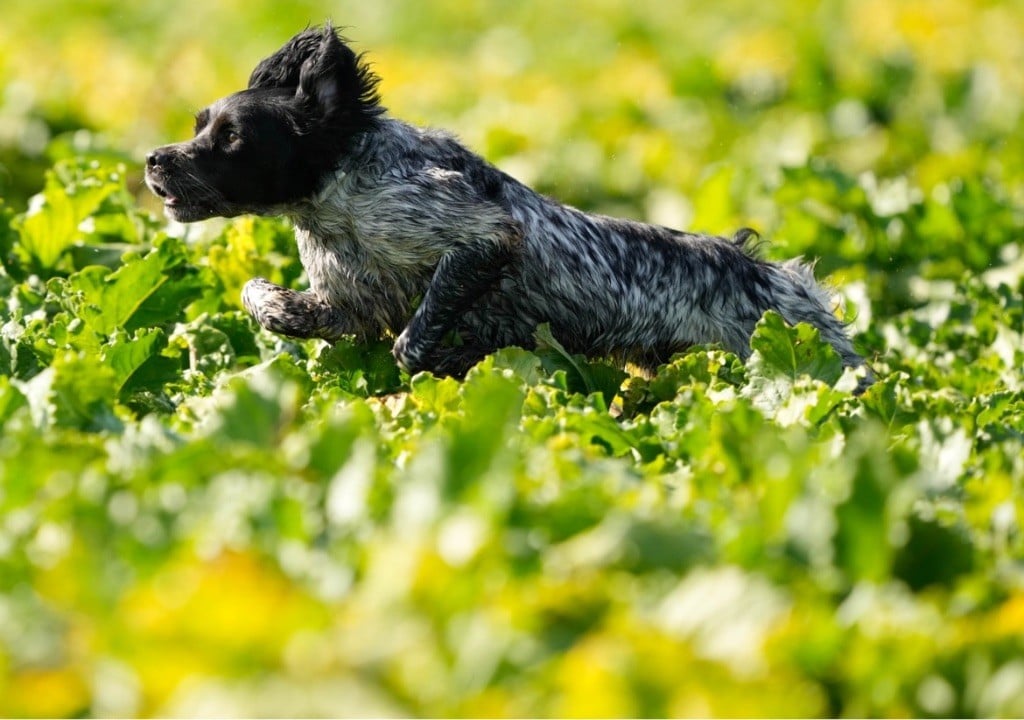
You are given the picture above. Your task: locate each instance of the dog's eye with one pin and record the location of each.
(229, 138)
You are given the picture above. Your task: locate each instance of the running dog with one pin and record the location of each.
(404, 231)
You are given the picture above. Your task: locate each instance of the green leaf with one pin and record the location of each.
(789, 352)
(546, 341)
(491, 403)
(11, 399)
(602, 429)
(125, 355)
(257, 405)
(138, 362)
(10, 251)
(866, 516)
(433, 395)
(52, 223)
(248, 248)
(362, 369)
(525, 364)
(77, 392)
(583, 375)
(133, 296)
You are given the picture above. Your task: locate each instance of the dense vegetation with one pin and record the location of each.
(198, 517)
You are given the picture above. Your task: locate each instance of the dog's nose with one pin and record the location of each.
(156, 158)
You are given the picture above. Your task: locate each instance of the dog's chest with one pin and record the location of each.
(347, 271)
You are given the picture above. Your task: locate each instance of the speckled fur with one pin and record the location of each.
(414, 235)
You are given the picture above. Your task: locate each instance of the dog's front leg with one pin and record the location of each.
(462, 277)
(294, 313)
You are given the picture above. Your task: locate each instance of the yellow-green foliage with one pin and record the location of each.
(200, 518)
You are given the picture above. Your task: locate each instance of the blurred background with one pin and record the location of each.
(883, 137)
(629, 107)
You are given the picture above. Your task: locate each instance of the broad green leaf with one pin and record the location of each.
(132, 296)
(76, 392)
(523, 363)
(588, 377)
(491, 404)
(251, 247)
(140, 365)
(359, 368)
(124, 355)
(433, 395)
(256, 405)
(789, 352)
(546, 341)
(53, 221)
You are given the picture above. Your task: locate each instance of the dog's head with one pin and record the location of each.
(272, 144)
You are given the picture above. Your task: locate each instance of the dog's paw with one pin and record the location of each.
(253, 293)
(259, 296)
(281, 310)
(407, 354)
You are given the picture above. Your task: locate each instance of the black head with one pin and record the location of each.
(271, 145)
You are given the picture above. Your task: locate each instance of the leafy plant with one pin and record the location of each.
(198, 517)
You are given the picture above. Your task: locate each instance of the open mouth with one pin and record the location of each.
(178, 206)
(161, 192)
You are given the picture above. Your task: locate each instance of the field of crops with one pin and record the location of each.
(198, 517)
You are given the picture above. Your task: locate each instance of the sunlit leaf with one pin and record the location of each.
(52, 224)
(134, 295)
(198, 516)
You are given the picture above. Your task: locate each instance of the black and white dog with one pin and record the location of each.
(388, 215)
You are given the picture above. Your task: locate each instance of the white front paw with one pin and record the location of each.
(405, 354)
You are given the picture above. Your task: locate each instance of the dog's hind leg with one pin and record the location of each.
(462, 276)
(293, 313)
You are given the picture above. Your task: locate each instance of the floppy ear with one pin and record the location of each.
(329, 76)
(283, 67)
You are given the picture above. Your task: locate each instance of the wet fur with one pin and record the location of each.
(403, 230)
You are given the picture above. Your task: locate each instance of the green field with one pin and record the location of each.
(200, 518)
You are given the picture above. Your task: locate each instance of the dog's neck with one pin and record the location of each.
(349, 164)
(331, 186)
